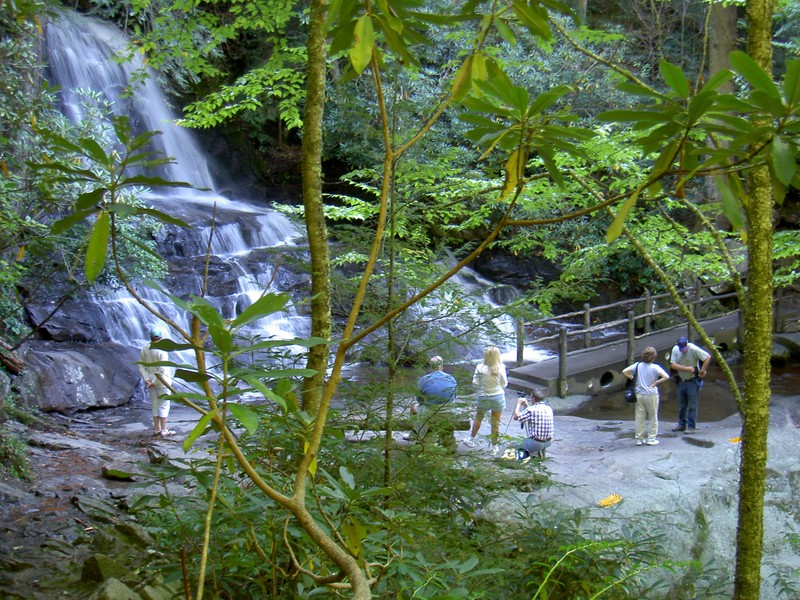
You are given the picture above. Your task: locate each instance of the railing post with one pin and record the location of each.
(648, 308)
(520, 341)
(777, 325)
(739, 328)
(562, 362)
(587, 322)
(693, 309)
(631, 334)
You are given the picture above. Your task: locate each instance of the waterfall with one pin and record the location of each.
(247, 239)
(470, 281)
(82, 55)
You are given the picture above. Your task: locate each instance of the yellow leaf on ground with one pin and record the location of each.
(735, 440)
(610, 500)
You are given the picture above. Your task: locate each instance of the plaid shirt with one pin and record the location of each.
(538, 421)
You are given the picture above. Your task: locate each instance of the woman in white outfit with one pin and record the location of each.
(156, 379)
(490, 382)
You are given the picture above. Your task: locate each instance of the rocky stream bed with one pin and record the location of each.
(65, 535)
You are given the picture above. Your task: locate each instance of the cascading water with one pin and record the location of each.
(247, 240)
(245, 237)
(469, 280)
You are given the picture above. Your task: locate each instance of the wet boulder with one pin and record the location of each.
(71, 377)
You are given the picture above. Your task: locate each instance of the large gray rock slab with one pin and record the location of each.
(71, 377)
(687, 487)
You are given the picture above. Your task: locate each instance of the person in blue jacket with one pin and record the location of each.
(436, 394)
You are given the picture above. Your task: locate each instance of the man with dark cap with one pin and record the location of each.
(685, 359)
(156, 378)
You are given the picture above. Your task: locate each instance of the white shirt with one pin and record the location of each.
(148, 372)
(488, 384)
(646, 377)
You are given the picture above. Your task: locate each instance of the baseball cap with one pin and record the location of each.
(156, 332)
(682, 342)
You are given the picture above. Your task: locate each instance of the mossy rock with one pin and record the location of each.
(99, 567)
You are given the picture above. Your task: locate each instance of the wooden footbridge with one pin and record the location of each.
(592, 352)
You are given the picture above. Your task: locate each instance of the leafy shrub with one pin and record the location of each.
(13, 455)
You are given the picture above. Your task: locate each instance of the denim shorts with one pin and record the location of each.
(493, 403)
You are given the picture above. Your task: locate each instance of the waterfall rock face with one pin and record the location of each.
(69, 377)
(87, 346)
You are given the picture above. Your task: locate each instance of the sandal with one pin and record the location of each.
(168, 432)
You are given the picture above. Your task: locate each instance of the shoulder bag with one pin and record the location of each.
(630, 387)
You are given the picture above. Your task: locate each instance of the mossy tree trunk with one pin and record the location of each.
(757, 339)
(314, 210)
(321, 319)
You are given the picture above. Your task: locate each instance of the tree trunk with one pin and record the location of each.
(320, 274)
(314, 211)
(757, 340)
(721, 40)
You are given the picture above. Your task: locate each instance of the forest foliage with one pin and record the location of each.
(448, 130)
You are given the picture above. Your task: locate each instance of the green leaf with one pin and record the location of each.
(67, 222)
(550, 164)
(547, 99)
(791, 84)
(468, 565)
(514, 168)
(347, 477)
(731, 207)
(94, 151)
(619, 221)
(355, 533)
(266, 305)
(674, 78)
(533, 18)
(782, 158)
(98, 247)
(304, 342)
(198, 430)
(463, 80)
(282, 373)
(312, 467)
(247, 416)
(395, 41)
(717, 80)
(156, 182)
(773, 105)
(169, 345)
(90, 200)
(700, 104)
(505, 32)
(203, 310)
(635, 89)
(191, 376)
(222, 337)
(267, 393)
(161, 216)
(745, 66)
(118, 475)
(363, 42)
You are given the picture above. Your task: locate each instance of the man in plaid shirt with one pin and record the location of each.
(537, 419)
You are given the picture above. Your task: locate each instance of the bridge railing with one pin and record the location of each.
(648, 310)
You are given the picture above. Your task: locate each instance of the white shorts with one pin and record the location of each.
(160, 406)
